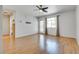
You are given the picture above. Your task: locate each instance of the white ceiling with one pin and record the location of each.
(31, 10)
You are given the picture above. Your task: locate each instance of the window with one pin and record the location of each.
(51, 22)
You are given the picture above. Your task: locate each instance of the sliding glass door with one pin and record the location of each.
(48, 25)
(52, 25)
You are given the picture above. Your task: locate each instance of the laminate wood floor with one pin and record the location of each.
(40, 44)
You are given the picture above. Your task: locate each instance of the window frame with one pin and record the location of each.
(51, 21)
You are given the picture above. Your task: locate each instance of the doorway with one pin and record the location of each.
(8, 26)
(42, 27)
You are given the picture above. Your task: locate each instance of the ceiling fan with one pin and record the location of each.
(41, 8)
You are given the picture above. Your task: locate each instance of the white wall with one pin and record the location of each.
(77, 24)
(23, 29)
(5, 25)
(67, 24)
(1, 48)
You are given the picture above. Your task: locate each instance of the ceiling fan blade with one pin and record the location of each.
(45, 8)
(38, 7)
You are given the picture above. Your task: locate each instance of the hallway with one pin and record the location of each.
(39, 44)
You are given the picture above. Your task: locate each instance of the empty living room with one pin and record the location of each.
(39, 29)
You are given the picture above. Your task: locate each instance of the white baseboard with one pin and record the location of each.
(25, 35)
